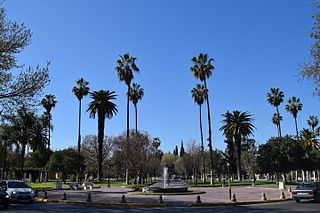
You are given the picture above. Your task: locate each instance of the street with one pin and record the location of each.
(283, 207)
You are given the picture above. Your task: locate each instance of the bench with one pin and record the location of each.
(74, 186)
(87, 185)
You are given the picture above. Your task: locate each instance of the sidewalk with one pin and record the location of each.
(212, 195)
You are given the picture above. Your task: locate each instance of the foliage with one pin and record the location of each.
(294, 106)
(182, 149)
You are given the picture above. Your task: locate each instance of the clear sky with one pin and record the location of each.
(256, 45)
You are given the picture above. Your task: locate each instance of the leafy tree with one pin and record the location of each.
(313, 122)
(168, 160)
(294, 106)
(309, 140)
(275, 98)
(125, 69)
(80, 91)
(135, 94)
(175, 151)
(181, 149)
(202, 70)
(18, 85)
(249, 163)
(103, 106)
(198, 94)
(39, 158)
(67, 161)
(237, 125)
(49, 102)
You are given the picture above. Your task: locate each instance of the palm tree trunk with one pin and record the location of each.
(128, 113)
(295, 121)
(202, 148)
(210, 134)
(136, 112)
(279, 121)
(23, 150)
(238, 145)
(278, 130)
(49, 131)
(101, 119)
(79, 125)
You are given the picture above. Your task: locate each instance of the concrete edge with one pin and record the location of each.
(100, 204)
(236, 203)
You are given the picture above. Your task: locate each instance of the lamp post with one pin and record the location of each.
(229, 181)
(109, 168)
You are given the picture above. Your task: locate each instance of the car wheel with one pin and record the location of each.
(298, 200)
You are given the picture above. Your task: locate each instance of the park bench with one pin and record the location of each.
(74, 186)
(87, 185)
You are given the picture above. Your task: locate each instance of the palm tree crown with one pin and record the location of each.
(276, 119)
(135, 93)
(82, 89)
(313, 122)
(199, 93)
(202, 67)
(48, 102)
(294, 106)
(101, 104)
(275, 97)
(125, 68)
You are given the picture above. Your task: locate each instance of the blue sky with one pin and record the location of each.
(256, 45)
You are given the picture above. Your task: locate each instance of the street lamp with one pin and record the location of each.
(229, 181)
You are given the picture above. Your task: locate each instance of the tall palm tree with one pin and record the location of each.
(49, 102)
(309, 141)
(202, 70)
(198, 94)
(237, 125)
(275, 98)
(135, 94)
(80, 91)
(125, 69)
(103, 106)
(294, 106)
(276, 118)
(313, 122)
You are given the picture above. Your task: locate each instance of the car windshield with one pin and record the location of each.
(306, 186)
(17, 185)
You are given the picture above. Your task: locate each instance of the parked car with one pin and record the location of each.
(309, 190)
(18, 190)
(4, 198)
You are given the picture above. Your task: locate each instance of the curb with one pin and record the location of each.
(100, 204)
(235, 203)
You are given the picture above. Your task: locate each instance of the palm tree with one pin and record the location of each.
(237, 125)
(125, 68)
(102, 106)
(276, 118)
(135, 94)
(313, 122)
(294, 106)
(48, 102)
(80, 91)
(202, 70)
(198, 94)
(308, 140)
(275, 98)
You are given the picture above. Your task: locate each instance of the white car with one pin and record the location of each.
(18, 190)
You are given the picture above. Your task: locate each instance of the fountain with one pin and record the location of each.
(165, 185)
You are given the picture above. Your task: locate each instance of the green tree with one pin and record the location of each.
(175, 151)
(294, 106)
(125, 69)
(309, 140)
(18, 84)
(198, 94)
(49, 102)
(135, 94)
(276, 119)
(181, 149)
(202, 70)
(275, 98)
(313, 122)
(237, 125)
(80, 91)
(103, 106)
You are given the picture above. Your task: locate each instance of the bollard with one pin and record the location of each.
(123, 199)
(45, 196)
(64, 196)
(289, 189)
(89, 199)
(282, 196)
(263, 197)
(198, 199)
(160, 199)
(234, 199)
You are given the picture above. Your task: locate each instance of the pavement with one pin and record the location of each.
(212, 195)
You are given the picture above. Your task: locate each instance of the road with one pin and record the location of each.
(282, 207)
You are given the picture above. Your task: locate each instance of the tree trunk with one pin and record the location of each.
(101, 119)
(49, 141)
(279, 121)
(238, 145)
(23, 150)
(128, 120)
(136, 114)
(79, 125)
(210, 134)
(295, 121)
(202, 148)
